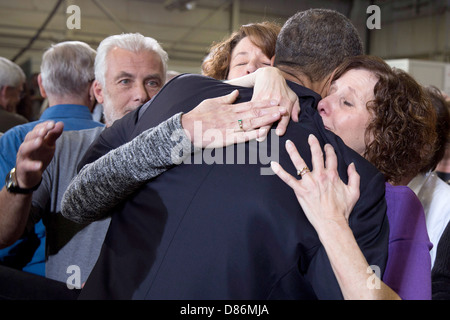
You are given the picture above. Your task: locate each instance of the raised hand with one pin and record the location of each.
(323, 196)
(36, 152)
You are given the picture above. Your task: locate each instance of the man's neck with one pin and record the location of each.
(320, 87)
(52, 101)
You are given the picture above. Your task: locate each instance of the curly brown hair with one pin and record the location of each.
(262, 34)
(400, 138)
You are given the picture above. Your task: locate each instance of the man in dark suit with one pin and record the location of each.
(221, 229)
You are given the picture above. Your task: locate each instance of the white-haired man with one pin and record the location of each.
(129, 70)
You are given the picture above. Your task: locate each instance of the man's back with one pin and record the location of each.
(67, 243)
(220, 229)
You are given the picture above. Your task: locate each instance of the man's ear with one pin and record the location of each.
(3, 97)
(41, 87)
(3, 90)
(98, 91)
(272, 60)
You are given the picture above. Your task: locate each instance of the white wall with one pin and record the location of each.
(426, 72)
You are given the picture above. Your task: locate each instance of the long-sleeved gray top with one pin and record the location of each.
(104, 183)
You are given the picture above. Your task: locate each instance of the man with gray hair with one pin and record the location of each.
(12, 79)
(129, 67)
(67, 72)
(123, 91)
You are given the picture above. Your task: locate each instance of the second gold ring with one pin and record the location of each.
(302, 172)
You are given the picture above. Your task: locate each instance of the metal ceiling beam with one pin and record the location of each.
(183, 36)
(112, 17)
(235, 15)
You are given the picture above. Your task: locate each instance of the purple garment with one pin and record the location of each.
(408, 268)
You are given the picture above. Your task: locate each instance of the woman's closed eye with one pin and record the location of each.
(242, 63)
(348, 104)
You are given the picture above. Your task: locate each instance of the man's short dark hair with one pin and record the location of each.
(314, 42)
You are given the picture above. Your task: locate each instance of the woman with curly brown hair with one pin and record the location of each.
(400, 132)
(384, 115)
(243, 52)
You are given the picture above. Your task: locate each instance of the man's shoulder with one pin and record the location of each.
(77, 139)
(195, 84)
(192, 76)
(17, 134)
(82, 135)
(303, 91)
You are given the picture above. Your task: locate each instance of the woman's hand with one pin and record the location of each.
(324, 197)
(327, 203)
(217, 122)
(271, 85)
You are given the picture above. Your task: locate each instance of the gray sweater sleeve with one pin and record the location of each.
(104, 183)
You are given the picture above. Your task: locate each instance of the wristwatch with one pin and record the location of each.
(12, 185)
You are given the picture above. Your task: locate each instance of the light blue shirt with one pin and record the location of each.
(74, 117)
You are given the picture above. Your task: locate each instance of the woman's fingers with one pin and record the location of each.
(227, 99)
(264, 117)
(353, 180)
(331, 159)
(295, 111)
(297, 160)
(282, 124)
(316, 154)
(283, 175)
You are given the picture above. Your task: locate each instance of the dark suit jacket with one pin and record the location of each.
(220, 229)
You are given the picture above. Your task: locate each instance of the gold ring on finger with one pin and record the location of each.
(302, 172)
(240, 124)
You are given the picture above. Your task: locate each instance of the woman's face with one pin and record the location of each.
(246, 58)
(344, 110)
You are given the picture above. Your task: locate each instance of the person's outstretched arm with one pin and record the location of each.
(327, 202)
(33, 156)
